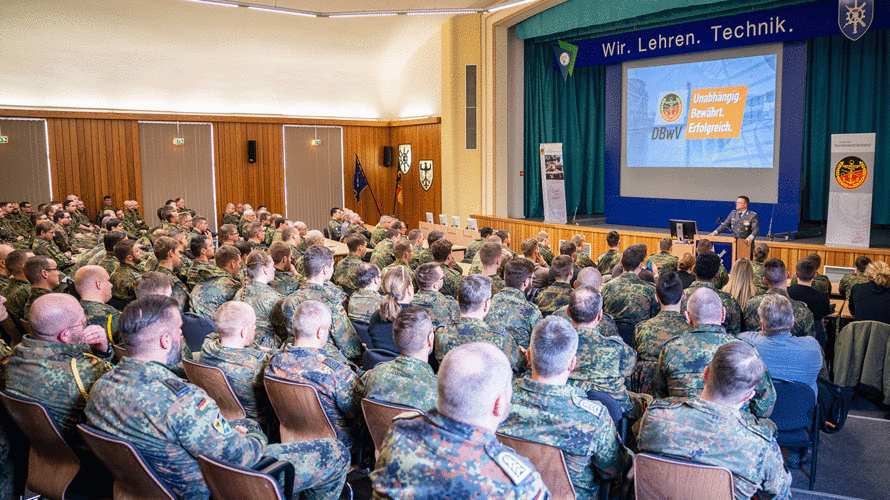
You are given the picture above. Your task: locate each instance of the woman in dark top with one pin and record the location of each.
(685, 265)
(397, 293)
(871, 300)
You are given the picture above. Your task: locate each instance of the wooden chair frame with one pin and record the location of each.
(299, 410)
(550, 463)
(658, 477)
(216, 384)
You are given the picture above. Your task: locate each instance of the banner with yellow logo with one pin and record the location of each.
(849, 197)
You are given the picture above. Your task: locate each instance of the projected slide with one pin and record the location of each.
(707, 114)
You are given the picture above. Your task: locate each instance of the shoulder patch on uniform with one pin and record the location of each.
(220, 424)
(177, 386)
(497, 329)
(588, 405)
(665, 403)
(514, 466)
(331, 363)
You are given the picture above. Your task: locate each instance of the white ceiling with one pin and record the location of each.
(178, 56)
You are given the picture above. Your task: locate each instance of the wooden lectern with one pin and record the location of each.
(742, 249)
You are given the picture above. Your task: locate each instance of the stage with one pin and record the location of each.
(595, 230)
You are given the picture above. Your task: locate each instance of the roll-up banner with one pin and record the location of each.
(553, 183)
(852, 170)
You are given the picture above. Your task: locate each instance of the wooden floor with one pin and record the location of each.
(788, 252)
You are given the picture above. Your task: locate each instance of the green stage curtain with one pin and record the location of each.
(848, 91)
(570, 112)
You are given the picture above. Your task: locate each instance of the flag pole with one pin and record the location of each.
(379, 212)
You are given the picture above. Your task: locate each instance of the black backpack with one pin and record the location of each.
(834, 403)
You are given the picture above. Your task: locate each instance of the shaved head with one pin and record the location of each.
(471, 377)
(52, 313)
(589, 276)
(704, 307)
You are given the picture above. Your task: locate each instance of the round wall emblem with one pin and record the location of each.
(670, 107)
(851, 172)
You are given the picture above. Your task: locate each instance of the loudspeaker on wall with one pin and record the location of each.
(387, 156)
(251, 151)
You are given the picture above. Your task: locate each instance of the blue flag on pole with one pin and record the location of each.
(359, 181)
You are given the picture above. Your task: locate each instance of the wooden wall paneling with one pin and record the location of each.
(367, 143)
(425, 140)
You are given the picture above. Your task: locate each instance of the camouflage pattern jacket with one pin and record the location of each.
(417, 450)
(219, 288)
(342, 333)
(511, 311)
(171, 421)
(758, 278)
(606, 261)
(344, 272)
(452, 281)
(443, 309)
(713, 434)
(336, 383)
(603, 364)
(45, 371)
(629, 299)
(733, 321)
(286, 282)
(848, 282)
(103, 315)
(266, 303)
(664, 262)
(404, 381)
(606, 326)
(244, 370)
(681, 366)
(561, 416)
(472, 249)
(820, 282)
(546, 253)
(49, 249)
(649, 338)
(17, 293)
(199, 271)
(123, 282)
(382, 255)
(466, 330)
(803, 317)
(363, 304)
(553, 297)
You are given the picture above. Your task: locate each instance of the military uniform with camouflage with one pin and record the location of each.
(344, 271)
(629, 299)
(336, 383)
(404, 381)
(649, 338)
(286, 282)
(820, 283)
(102, 315)
(664, 262)
(363, 304)
(608, 260)
(743, 444)
(603, 364)
(473, 248)
(561, 416)
(546, 253)
(123, 282)
(133, 224)
(803, 318)
(219, 288)
(199, 271)
(732, 323)
(452, 281)
(44, 371)
(266, 302)
(682, 362)
(466, 330)
(849, 281)
(49, 249)
(17, 293)
(606, 326)
(553, 297)
(243, 368)
(342, 334)
(180, 292)
(382, 255)
(36, 293)
(511, 311)
(170, 422)
(109, 262)
(443, 309)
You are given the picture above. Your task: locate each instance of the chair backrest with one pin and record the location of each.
(134, 479)
(299, 410)
(609, 402)
(12, 331)
(215, 383)
(657, 478)
(626, 331)
(795, 405)
(549, 462)
(379, 415)
(120, 352)
(231, 482)
(373, 357)
(52, 464)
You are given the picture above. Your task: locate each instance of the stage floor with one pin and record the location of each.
(809, 233)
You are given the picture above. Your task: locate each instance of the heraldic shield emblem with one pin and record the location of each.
(854, 17)
(426, 174)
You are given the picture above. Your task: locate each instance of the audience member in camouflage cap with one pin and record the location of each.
(94, 288)
(220, 285)
(712, 430)
(606, 261)
(650, 335)
(407, 380)
(548, 411)
(681, 364)
(474, 298)
(231, 351)
(603, 362)
(443, 309)
(459, 437)
(171, 421)
(265, 301)
(50, 365)
(509, 308)
(707, 265)
(664, 262)
(318, 265)
(776, 277)
(307, 362)
(628, 298)
(344, 271)
(557, 295)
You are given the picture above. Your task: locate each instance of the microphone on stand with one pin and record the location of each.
(575, 216)
(719, 220)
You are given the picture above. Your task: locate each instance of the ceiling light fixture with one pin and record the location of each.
(282, 11)
(442, 12)
(211, 2)
(509, 4)
(363, 14)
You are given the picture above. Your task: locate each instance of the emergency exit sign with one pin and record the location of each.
(4, 139)
(316, 142)
(178, 141)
